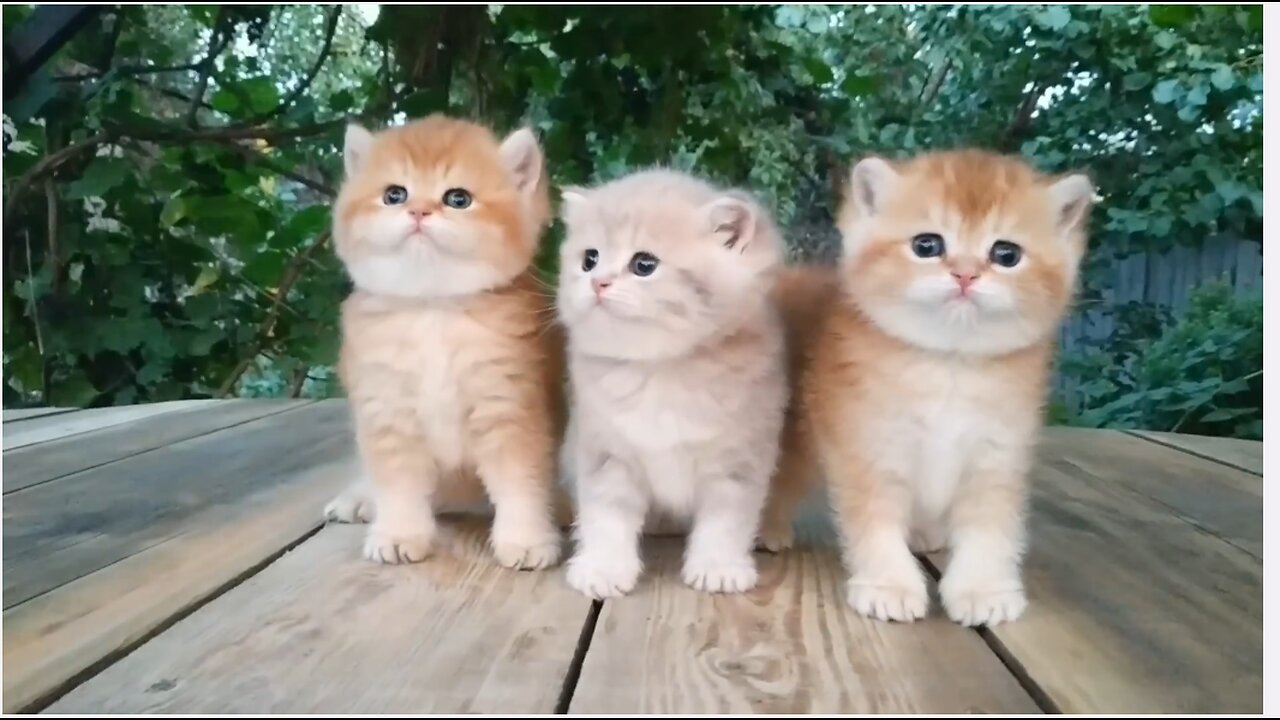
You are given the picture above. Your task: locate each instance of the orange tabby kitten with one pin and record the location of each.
(927, 377)
(452, 374)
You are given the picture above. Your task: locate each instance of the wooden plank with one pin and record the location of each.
(1216, 499)
(17, 414)
(54, 638)
(47, 461)
(59, 426)
(1132, 609)
(1240, 454)
(59, 531)
(792, 645)
(324, 631)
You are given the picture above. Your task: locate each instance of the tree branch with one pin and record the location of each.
(292, 272)
(218, 41)
(48, 165)
(330, 30)
(266, 162)
(1021, 120)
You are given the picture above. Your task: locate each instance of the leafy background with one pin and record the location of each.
(167, 175)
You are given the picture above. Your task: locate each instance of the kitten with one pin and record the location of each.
(677, 374)
(803, 295)
(452, 373)
(928, 376)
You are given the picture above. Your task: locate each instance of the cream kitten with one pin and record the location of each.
(676, 363)
(452, 372)
(927, 378)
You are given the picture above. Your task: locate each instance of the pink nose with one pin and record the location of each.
(964, 280)
(600, 285)
(418, 214)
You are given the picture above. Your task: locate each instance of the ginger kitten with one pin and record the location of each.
(451, 372)
(677, 373)
(927, 378)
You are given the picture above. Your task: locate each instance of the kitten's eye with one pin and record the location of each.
(457, 198)
(1005, 253)
(395, 195)
(928, 245)
(643, 264)
(589, 259)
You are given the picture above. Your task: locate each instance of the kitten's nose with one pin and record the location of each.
(599, 285)
(964, 279)
(419, 213)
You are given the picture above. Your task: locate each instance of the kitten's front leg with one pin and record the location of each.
(403, 476)
(718, 557)
(517, 471)
(611, 512)
(982, 584)
(872, 509)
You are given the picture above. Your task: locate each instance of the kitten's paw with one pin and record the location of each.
(718, 575)
(903, 600)
(352, 506)
(528, 543)
(392, 549)
(600, 578)
(776, 539)
(926, 541)
(982, 603)
(539, 555)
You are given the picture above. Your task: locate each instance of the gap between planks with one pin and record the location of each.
(1183, 449)
(39, 704)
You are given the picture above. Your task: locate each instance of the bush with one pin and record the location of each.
(1201, 374)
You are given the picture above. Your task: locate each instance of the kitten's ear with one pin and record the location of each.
(1072, 198)
(355, 148)
(572, 200)
(572, 196)
(732, 220)
(871, 181)
(523, 159)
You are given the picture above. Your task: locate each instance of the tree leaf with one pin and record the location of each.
(1055, 17)
(1166, 91)
(1169, 16)
(1224, 78)
(102, 174)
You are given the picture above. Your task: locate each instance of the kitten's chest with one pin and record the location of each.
(657, 408)
(938, 430)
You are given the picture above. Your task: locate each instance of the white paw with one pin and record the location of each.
(393, 549)
(521, 556)
(525, 543)
(900, 599)
(720, 575)
(600, 578)
(982, 603)
(776, 539)
(352, 506)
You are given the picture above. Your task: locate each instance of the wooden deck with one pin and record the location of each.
(171, 558)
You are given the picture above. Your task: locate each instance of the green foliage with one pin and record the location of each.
(1199, 374)
(185, 256)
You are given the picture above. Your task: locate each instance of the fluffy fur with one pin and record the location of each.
(678, 379)
(452, 370)
(922, 401)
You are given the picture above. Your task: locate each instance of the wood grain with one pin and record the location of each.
(52, 427)
(1217, 499)
(60, 531)
(1133, 609)
(17, 414)
(790, 646)
(51, 460)
(1241, 454)
(52, 639)
(324, 631)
